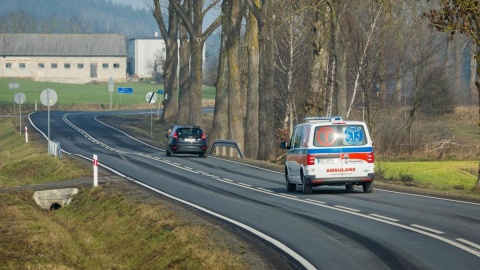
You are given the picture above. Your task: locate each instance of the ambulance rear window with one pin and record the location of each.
(341, 135)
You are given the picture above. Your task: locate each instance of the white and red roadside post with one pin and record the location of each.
(95, 170)
(26, 134)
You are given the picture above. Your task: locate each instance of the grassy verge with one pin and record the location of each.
(107, 227)
(24, 163)
(447, 176)
(102, 230)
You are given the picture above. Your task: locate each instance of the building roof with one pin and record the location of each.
(62, 45)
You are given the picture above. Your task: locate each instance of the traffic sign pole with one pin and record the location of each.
(13, 86)
(151, 98)
(19, 98)
(110, 90)
(48, 97)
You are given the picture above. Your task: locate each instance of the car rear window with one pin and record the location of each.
(342, 135)
(189, 132)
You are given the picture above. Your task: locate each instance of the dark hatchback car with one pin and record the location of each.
(186, 140)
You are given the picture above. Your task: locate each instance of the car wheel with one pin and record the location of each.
(167, 153)
(307, 189)
(349, 187)
(204, 155)
(172, 154)
(368, 187)
(290, 187)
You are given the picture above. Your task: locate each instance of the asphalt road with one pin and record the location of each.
(330, 229)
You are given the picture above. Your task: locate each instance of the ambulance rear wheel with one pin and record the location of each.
(290, 187)
(368, 187)
(307, 189)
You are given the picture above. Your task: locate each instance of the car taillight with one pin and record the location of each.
(203, 136)
(370, 157)
(310, 159)
(175, 135)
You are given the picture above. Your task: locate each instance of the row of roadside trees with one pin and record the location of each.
(282, 60)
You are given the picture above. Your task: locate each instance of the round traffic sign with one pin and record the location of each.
(48, 97)
(19, 98)
(151, 97)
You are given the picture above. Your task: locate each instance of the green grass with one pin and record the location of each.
(450, 176)
(70, 95)
(24, 163)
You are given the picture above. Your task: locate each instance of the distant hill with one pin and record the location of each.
(67, 16)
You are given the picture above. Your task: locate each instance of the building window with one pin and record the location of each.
(8, 65)
(21, 65)
(66, 65)
(41, 65)
(104, 65)
(80, 65)
(53, 65)
(116, 65)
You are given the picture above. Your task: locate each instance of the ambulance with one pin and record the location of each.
(329, 151)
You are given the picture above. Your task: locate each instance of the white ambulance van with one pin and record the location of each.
(329, 151)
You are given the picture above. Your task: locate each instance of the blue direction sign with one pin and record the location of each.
(160, 91)
(125, 90)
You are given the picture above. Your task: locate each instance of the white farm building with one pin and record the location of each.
(69, 58)
(142, 55)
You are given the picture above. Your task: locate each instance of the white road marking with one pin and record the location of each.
(315, 201)
(384, 217)
(468, 243)
(347, 208)
(427, 229)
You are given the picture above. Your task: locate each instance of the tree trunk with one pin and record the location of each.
(196, 79)
(315, 103)
(220, 115)
(266, 114)
(341, 72)
(183, 95)
(235, 104)
(251, 126)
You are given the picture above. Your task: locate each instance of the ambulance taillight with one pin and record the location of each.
(310, 159)
(370, 157)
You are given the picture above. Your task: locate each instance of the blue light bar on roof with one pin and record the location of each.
(323, 118)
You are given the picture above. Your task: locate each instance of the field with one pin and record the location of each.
(83, 96)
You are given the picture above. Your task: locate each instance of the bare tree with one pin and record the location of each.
(197, 36)
(251, 121)
(236, 111)
(185, 71)
(18, 22)
(265, 19)
(291, 61)
(171, 60)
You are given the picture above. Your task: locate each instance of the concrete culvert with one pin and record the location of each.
(54, 199)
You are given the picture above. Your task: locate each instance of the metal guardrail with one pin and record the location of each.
(55, 149)
(226, 143)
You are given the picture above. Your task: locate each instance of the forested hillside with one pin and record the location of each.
(72, 16)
